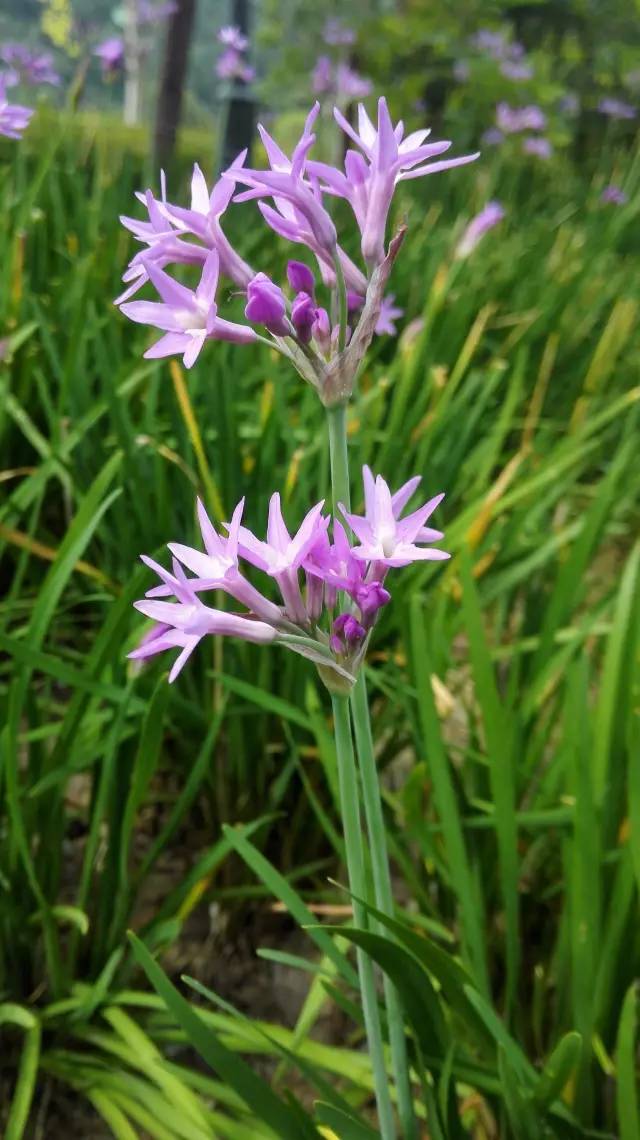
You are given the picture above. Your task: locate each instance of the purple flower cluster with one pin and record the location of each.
(290, 194)
(330, 592)
(614, 196)
(232, 64)
(110, 53)
(513, 120)
(338, 34)
(616, 109)
(340, 81)
(496, 45)
(32, 68)
(14, 118)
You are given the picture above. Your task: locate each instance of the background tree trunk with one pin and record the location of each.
(172, 82)
(240, 117)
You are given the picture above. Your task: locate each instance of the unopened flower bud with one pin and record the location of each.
(303, 315)
(300, 278)
(266, 305)
(371, 596)
(349, 627)
(321, 330)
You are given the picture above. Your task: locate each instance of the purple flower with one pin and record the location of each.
(331, 569)
(616, 109)
(218, 568)
(231, 65)
(514, 69)
(510, 120)
(539, 147)
(614, 195)
(183, 624)
(350, 84)
(232, 37)
(388, 314)
(14, 118)
(488, 217)
(301, 278)
(461, 71)
(385, 538)
(282, 555)
(188, 318)
(30, 67)
(384, 158)
(111, 54)
(202, 220)
(322, 76)
(266, 305)
(492, 137)
(299, 214)
(338, 34)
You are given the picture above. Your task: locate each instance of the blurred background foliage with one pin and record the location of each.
(506, 686)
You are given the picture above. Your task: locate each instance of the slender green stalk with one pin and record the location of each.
(343, 310)
(350, 809)
(337, 423)
(336, 418)
(383, 895)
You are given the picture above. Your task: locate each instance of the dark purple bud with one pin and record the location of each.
(371, 596)
(355, 301)
(301, 278)
(303, 314)
(349, 627)
(266, 305)
(321, 330)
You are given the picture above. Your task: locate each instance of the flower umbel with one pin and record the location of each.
(331, 594)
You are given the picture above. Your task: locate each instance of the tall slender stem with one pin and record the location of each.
(350, 809)
(336, 418)
(383, 895)
(337, 423)
(343, 307)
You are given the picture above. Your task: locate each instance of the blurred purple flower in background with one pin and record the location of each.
(389, 314)
(322, 76)
(231, 65)
(232, 37)
(614, 195)
(30, 67)
(350, 84)
(341, 81)
(513, 69)
(488, 217)
(569, 104)
(110, 52)
(497, 45)
(14, 118)
(616, 109)
(510, 120)
(492, 137)
(540, 147)
(338, 34)
(150, 13)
